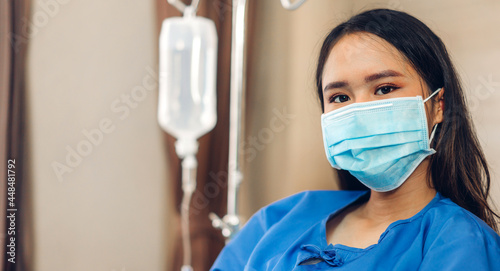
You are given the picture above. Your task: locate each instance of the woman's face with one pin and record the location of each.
(363, 67)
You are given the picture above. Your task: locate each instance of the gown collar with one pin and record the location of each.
(337, 255)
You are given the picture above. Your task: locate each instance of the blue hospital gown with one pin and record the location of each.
(290, 234)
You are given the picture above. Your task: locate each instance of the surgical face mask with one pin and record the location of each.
(381, 142)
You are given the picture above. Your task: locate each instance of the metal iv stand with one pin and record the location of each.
(230, 223)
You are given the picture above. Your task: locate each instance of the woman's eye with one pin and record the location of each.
(340, 99)
(385, 90)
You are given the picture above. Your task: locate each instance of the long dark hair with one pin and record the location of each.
(458, 168)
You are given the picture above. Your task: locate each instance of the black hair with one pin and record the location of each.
(458, 168)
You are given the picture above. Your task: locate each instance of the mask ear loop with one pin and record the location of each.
(434, 93)
(436, 125)
(432, 133)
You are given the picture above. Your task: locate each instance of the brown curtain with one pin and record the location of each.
(211, 193)
(13, 44)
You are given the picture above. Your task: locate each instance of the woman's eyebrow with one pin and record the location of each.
(369, 78)
(337, 84)
(382, 74)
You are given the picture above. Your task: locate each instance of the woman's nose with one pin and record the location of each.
(363, 97)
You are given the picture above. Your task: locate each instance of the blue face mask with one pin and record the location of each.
(381, 142)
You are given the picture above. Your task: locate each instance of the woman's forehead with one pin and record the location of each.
(361, 53)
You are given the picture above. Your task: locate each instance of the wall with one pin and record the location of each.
(92, 67)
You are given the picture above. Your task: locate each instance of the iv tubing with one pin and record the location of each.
(189, 166)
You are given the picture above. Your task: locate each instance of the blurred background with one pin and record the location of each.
(110, 202)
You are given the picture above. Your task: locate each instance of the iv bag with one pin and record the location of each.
(188, 65)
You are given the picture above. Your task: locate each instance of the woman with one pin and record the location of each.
(396, 121)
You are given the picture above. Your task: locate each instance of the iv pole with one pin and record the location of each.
(230, 223)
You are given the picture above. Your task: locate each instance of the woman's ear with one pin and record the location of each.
(439, 109)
